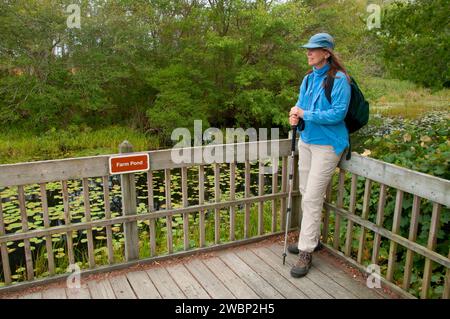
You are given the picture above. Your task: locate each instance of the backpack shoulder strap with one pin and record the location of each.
(329, 82)
(307, 80)
(328, 88)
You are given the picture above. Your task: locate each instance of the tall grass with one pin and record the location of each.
(397, 98)
(19, 146)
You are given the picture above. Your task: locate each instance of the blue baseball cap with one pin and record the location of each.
(320, 40)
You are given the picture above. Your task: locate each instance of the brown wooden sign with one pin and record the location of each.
(123, 164)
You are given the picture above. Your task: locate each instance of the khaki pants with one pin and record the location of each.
(317, 164)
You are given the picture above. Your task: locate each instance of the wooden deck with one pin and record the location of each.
(250, 271)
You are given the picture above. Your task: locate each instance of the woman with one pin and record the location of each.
(321, 143)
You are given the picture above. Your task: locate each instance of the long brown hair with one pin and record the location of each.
(335, 66)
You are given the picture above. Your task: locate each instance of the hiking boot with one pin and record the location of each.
(303, 264)
(293, 248)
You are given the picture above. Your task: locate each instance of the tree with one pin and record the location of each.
(416, 41)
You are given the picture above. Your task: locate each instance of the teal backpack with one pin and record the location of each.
(358, 109)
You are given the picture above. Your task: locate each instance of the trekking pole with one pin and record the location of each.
(291, 187)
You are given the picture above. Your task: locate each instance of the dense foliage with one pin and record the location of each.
(156, 65)
(416, 41)
(421, 145)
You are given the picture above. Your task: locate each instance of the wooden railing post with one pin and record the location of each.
(4, 250)
(339, 204)
(128, 185)
(446, 293)
(326, 217)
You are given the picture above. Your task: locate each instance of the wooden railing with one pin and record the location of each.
(370, 173)
(84, 169)
(373, 171)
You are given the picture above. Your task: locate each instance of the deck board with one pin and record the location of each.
(344, 280)
(142, 285)
(187, 283)
(215, 288)
(166, 286)
(243, 272)
(101, 290)
(250, 277)
(78, 293)
(306, 285)
(323, 280)
(121, 287)
(276, 280)
(230, 279)
(54, 293)
(35, 295)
